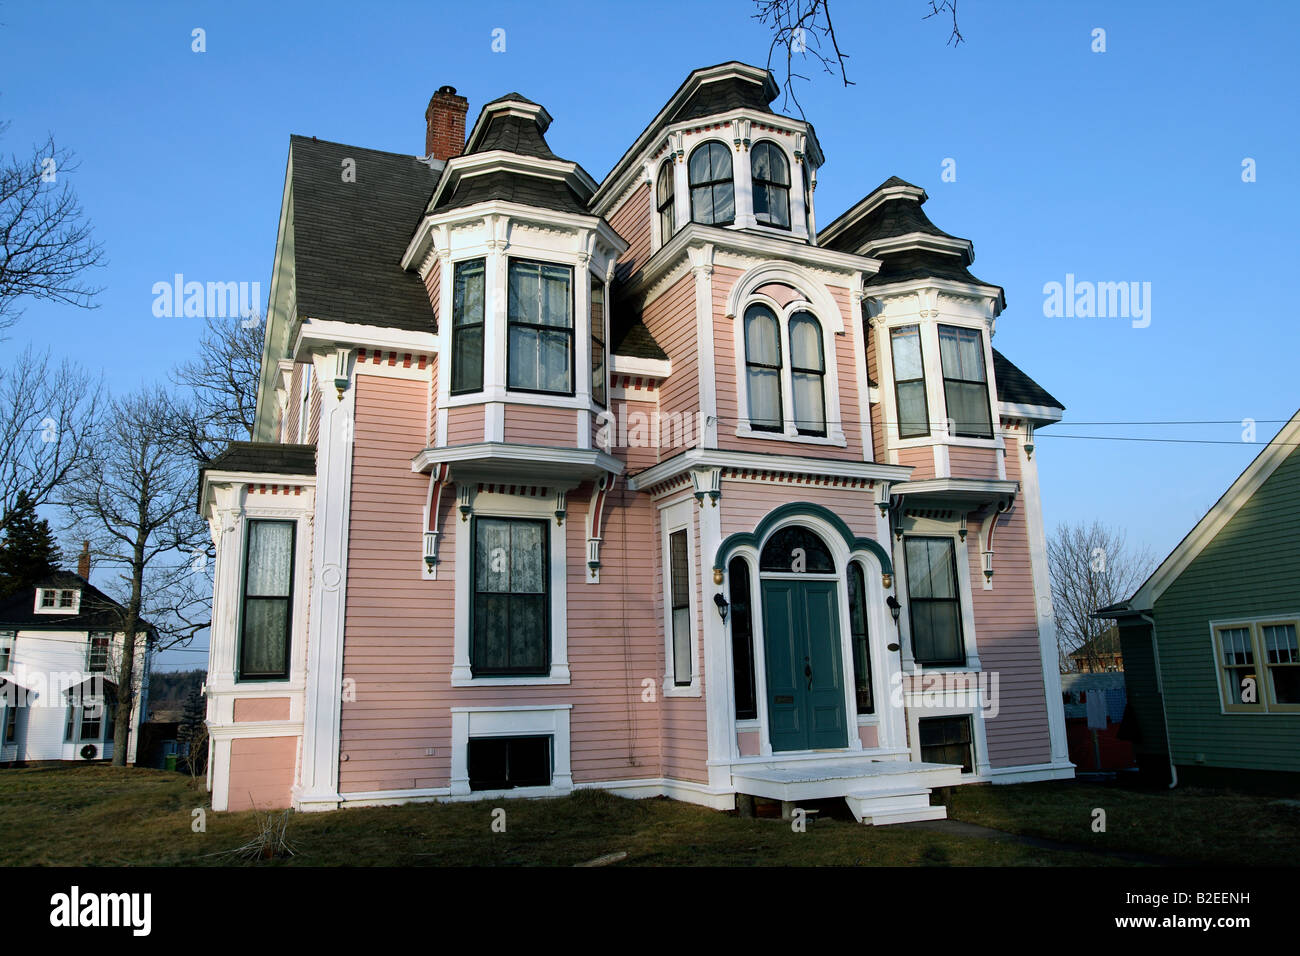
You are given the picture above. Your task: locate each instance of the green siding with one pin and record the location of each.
(1250, 569)
(1142, 690)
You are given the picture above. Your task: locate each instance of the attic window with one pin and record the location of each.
(58, 601)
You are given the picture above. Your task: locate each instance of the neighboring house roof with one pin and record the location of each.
(97, 612)
(349, 236)
(1284, 444)
(1104, 644)
(1017, 388)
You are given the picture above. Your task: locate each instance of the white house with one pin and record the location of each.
(60, 650)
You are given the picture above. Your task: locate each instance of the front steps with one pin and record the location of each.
(878, 792)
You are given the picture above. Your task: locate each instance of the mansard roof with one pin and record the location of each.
(349, 234)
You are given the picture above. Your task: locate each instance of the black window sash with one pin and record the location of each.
(772, 190)
(859, 630)
(918, 602)
(599, 373)
(478, 666)
(963, 429)
(540, 328)
(742, 641)
(666, 200)
(679, 584)
(819, 372)
(467, 370)
(779, 425)
(910, 429)
(721, 183)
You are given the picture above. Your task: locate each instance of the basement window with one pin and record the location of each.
(504, 763)
(947, 740)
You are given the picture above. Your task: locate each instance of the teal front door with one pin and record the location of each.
(805, 679)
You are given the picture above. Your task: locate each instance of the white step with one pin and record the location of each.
(880, 807)
(814, 781)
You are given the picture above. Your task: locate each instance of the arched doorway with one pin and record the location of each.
(801, 641)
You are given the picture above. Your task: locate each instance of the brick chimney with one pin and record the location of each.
(444, 135)
(83, 560)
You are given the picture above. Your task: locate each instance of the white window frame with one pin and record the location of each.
(679, 517)
(74, 609)
(935, 528)
(974, 710)
(834, 436)
(495, 505)
(1264, 686)
(531, 720)
(304, 402)
(8, 641)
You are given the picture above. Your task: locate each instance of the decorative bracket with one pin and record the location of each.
(437, 482)
(465, 496)
(596, 524)
(707, 482)
(341, 377)
(1029, 439)
(560, 509)
(987, 533)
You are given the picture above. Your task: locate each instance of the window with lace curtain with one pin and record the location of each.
(267, 601)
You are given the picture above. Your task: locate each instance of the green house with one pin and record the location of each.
(1209, 641)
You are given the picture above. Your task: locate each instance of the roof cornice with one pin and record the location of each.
(533, 111)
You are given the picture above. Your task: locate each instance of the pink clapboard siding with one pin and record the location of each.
(399, 641)
(631, 220)
(432, 284)
(313, 426)
(728, 336)
(433, 400)
(745, 503)
(261, 708)
(966, 462)
(540, 425)
(1006, 629)
(870, 737)
(921, 458)
(261, 772)
(671, 319)
(293, 407)
(465, 425)
(748, 743)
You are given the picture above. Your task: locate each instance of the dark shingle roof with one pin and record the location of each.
(271, 458)
(634, 340)
(515, 134)
(893, 217)
(98, 611)
(512, 98)
(349, 237)
(513, 186)
(923, 264)
(728, 93)
(1017, 388)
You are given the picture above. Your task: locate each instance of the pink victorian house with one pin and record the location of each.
(650, 484)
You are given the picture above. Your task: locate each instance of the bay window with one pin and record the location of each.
(771, 185)
(598, 342)
(467, 297)
(713, 191)
(267, 600)
(965, 384)
(510, 610)
(909, 382)
(934, 607)
(665, 198)
(540, 337)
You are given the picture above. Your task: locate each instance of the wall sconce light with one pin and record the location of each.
(894, 607)
(722, 604)
(1029, 439)
(882, 496)
(988, 564)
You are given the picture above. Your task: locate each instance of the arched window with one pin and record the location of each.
(771, 176)
(713, 193)
(807, 372)
(796, 549)
(861, 648)
(664, 201)
(763, 368)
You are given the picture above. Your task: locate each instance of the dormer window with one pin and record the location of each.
(58, 600)
(771, 179)
(540, 339)
(664, 187)
(713, 192)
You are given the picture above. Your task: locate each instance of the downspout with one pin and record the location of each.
(1164, 710)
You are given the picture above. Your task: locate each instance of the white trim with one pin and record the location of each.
(704, 457)
(868, 203)
(672, 518)
(1034, 413)
(1032, 773)
(646, 368)
(979, 742)
(544, 464)
(316, 334)
(920, 240)
(511, 721)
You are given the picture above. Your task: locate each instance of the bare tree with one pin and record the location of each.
(135, 501)
(47, 415)
(1091, 566)
(803, 28)
(46, 244)
(222, 384)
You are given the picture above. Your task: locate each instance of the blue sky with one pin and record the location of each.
(1117, 166)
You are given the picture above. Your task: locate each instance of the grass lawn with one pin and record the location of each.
(1200, 826)
(98, 815)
